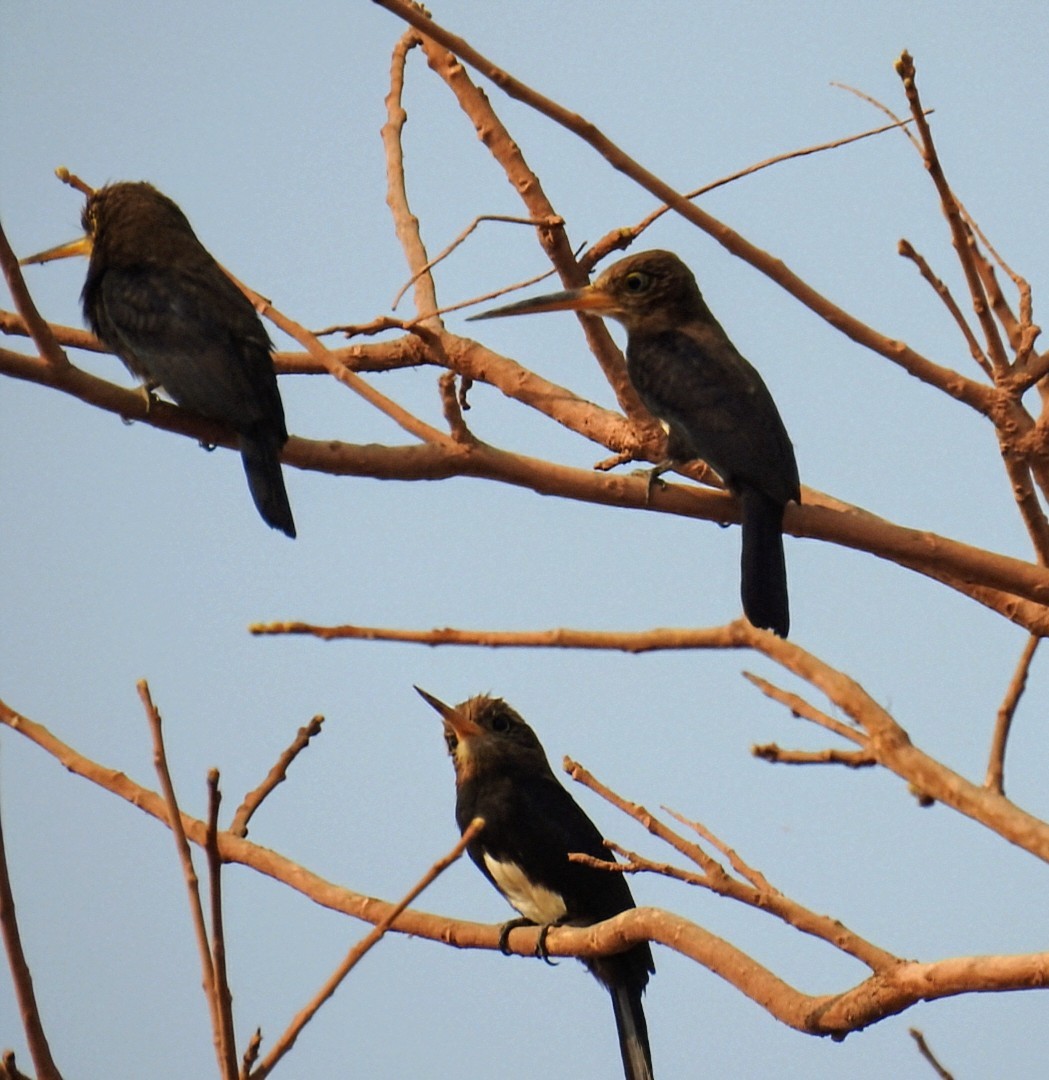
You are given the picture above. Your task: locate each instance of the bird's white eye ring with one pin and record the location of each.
(637, 281)
(500, 723)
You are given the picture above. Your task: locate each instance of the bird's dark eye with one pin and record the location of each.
(451, 740)
(500, 723)
(637, 281)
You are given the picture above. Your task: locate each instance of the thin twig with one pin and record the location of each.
(22, 977)
(38, 328)
(620, 239)
(881, 107)
(753, 890)
(930, 1057)
(224, 999)
(804, 709)
(961, 236)
(853, 759)
(713, 871)
(906, 249)
(536, 223)
(339, 370)
(406, 224)
(743, 869)
(995, 779)
(74, 181)
(277, 775)
(251, 1054)
(174, 818)
(357, 953)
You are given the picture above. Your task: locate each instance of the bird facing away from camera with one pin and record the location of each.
(157, 298)
(531, 825)
(713, 404)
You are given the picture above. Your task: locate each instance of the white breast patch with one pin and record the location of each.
(533, 901)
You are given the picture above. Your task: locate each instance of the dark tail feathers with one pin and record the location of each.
(763, 569)
(261, 456)
(633, 1032)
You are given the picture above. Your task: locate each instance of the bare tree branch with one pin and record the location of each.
(995, 778)
(175, 821)
(25, 995)
(930, 1057)
(227, 1041)
(884, 993)
(277, 775)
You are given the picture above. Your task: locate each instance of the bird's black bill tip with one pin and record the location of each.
(435, 703)
(80, 246)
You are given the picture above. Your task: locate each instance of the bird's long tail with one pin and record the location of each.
(260, 453)
(763, 568)
(633, 1032)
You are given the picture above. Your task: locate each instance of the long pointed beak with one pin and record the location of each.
(81, 246)
(435, 703)
(461, 724)
(589, 298)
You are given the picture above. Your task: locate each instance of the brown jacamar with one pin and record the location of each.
(531, 824)
(711, 401)
(157, 298)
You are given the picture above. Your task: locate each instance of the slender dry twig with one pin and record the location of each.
(753, 890)
(357, 953)
(227, 1042)
(961, 235)
(906, 250)
(38, 329)
(620, 239)
(802, 708)
(995, 779)
(536, 223)
(74, 181)
(852, 759)
(21, 976)
(251, 1054)
(175, 823)
(930, 1057)
(339, 370)
(881, 107)
(277, 775)
(743, 869)
(406, 224)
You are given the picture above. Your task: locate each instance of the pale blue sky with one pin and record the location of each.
(129, 553)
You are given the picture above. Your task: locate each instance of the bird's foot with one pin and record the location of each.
(540, 945)
(150, 398)
(653, 476)
(504, 933)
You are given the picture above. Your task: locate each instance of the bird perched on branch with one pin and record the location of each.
(156, 297)
(711, 401)
(531, 825)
